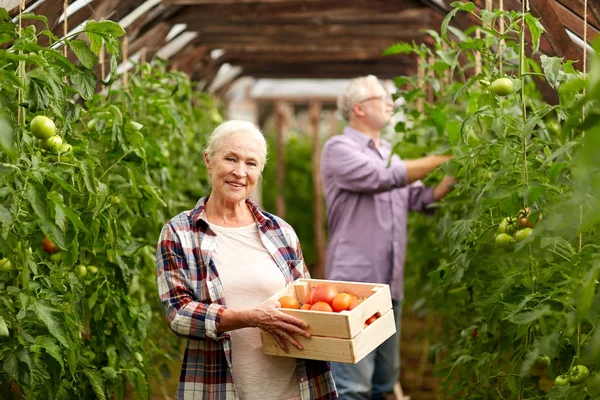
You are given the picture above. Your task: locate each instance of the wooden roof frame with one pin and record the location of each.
(308, 38)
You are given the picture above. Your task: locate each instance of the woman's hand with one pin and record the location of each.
(281, 326)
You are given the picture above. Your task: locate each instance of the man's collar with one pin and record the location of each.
(362, 138)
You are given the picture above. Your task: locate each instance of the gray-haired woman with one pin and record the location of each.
(216, 265)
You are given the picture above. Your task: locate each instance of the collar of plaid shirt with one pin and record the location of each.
(192, 295)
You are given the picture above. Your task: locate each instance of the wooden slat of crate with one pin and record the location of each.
(346, 324)
(335, 349)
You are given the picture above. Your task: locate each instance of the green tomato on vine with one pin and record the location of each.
(502, 87)
(42, 127)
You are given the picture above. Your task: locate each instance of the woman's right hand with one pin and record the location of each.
(281, 326)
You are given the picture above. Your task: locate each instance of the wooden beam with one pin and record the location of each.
(325, 71)
(281, 127)
(290, 56)
(204, 2)
(577, 7)
(152, 40)
(574, 23)
(12, 6)
(314, 116)
(190, 59)
(318, 12)
(558, 38)
(52, 11)
(405, 29)
(75, 19)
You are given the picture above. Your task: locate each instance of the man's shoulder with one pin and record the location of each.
(338, 141)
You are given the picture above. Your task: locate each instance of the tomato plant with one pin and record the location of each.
(79, 318)
(471, 268)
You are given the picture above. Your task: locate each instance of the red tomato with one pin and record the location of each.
(306, 306)
(289, 302)
(324, 292)
(321, 306)
(371, 319)
(48, 246)
(309, 298)
(341, 302)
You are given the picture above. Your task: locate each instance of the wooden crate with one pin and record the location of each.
(338, 337)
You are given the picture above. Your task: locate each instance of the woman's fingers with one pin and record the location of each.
(282, 337)
(280, 341)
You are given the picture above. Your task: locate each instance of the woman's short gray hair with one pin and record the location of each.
(353, 93)
(228, 128)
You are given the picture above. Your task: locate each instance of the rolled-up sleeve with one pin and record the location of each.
(186, 316)
(420, 197)
(354, 171)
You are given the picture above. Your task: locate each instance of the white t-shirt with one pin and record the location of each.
(249, 276)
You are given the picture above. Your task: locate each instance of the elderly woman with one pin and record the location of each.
(216, 266)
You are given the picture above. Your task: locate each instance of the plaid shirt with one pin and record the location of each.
(192, 294)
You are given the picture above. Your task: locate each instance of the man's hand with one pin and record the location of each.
(444, 187)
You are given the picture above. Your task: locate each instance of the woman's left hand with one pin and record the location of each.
(281, 326)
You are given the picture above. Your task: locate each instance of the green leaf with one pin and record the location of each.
(398, 48)
(458, 6)
(55, 327)
(50, 346)
(68, 212)
(588, 292)
(453, 128)
(105, 28)
(6, 138)
(4, 16)
(3, 327)
(84, 81)
(95, 42)
(30, 15)
(97, 383)
(83, 53)
(551, 67)
(530, 316)
(536, 29)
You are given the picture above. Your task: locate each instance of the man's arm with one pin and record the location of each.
(355, 171)
(444, 187)
(421, 167)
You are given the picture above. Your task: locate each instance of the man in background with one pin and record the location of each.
(368, 200)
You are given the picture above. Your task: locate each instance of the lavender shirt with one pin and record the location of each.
(367, 207)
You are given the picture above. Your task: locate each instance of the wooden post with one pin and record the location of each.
(420, 75)
(101, 61)
(431, 75)
(333, 124)
(314, 115)
(281, 130)
(124, 51)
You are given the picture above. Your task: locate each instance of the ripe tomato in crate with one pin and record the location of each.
(345, 336)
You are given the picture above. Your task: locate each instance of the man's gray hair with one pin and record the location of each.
(229, 128)
(355, 91)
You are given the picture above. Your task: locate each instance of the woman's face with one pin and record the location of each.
(235, 167)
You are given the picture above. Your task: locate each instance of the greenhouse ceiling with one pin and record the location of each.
(297, 39)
